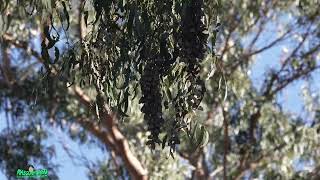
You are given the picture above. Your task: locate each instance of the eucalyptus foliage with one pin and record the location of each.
(175, 73)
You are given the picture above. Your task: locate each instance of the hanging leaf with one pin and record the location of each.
(203, 138)
(56, 54)
(45, 55)
(121, 113)
(119, 97)
(125, 101)
(46, 32)
(164, 140)
(226, 92)
(171, 153)
(9, 18)
(97, 111)
(130, 20)
(4, 6)
(168, 93)
(192, 135)
(82, 83)
(65, 11)
(86, 15)
(200, 136)
(135, 91)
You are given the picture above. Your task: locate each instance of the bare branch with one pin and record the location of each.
(226, 144)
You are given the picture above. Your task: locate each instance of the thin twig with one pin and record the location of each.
(226, 144)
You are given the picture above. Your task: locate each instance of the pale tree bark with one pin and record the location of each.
(112, 136)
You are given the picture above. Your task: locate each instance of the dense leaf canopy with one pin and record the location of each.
(164, 87)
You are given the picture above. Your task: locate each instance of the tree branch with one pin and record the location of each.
(119, 143)
(226, 144)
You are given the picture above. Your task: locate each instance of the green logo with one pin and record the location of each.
(32, 173)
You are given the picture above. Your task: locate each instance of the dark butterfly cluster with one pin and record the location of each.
(192, 41)
(153, 58)
(189, 45)
(151, 99)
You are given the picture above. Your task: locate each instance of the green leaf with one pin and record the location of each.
(45, 55)
(125, 101)
(56, 54)
(205, 137)
(135, 91)
(164, 140)
(65, 11)
(130, 20)
(119, 98)
(9, 18)
(225, 93)
(170, 80)
(200, 137)
(5, 5)
(171, 153)
(168, 93)
(192, 135)
(86, 15)
(121, 113)
(220, 81)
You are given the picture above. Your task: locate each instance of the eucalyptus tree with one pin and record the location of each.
(157, 83)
